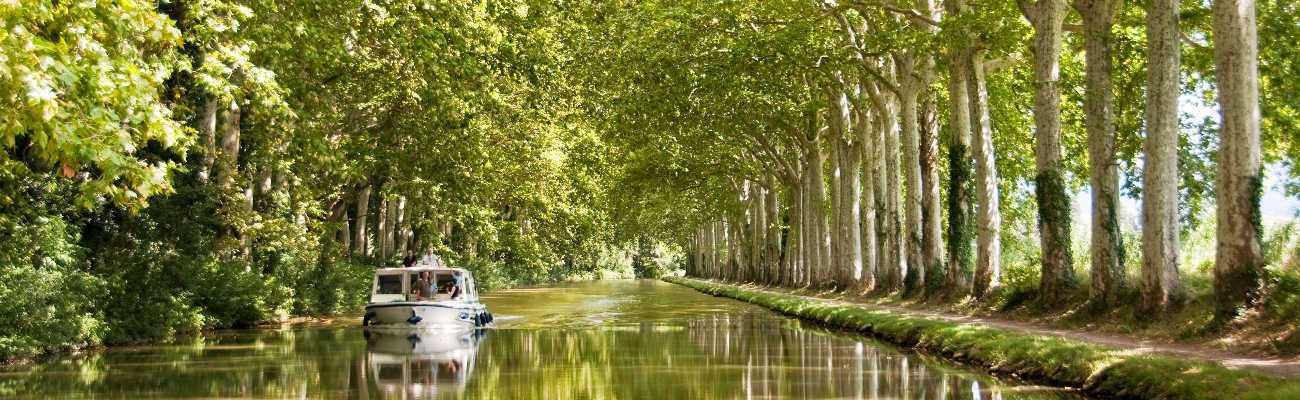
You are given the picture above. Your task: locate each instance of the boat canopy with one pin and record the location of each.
(398, 284)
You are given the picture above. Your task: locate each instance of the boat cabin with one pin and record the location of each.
(399, 284)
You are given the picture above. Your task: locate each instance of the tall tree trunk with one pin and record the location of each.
(820, 218)
(835, 204)
(208, 137)
(773, 236)
(959, 168)
(345, 232)
(867, 202)
(227, 160)
(400, 235)
(988, 244)
(735, 266)
(1047, 17)
(1107, 248)
(381, 228)
(796, 250)
(893, 204)
(697, 252)
(363, 204)
(719, 241)
(811, 206)
(1160, 241)
(909, 89)
(848, 163)
(883, 224)
(757, 228)
(851, 171)
(1238, 261)
(932, 248)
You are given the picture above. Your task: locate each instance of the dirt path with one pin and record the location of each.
(1277, 366)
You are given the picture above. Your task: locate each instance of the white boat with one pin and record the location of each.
(395, 303)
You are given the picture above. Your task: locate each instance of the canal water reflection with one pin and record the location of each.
(582, 340)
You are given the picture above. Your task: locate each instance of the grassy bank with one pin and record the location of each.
(1097, 370)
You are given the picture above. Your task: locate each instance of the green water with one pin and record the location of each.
(586, 340)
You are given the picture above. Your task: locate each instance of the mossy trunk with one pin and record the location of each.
(960, 234)
(1047, 18)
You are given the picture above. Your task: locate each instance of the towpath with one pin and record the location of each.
(1276, 366)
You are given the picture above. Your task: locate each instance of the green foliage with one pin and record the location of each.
(80, 95)
(47, 299)
(1282, 257)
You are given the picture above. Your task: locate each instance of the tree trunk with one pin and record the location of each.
(208, 136)
(719, 242)
(381, 229)
(228, 158)
(836, 205)
(697, 252)
(932, 247)
(773, 236)
(1238, 263)
(757, 228)
(1047, 17)
(363, 204)
(897, 267)
(851, 171)
(1160, 241)
(818, 178)
(867, 202)
(959, 171)
(795, 246)
(345, 232)
(988, 244)
(848, 163)
(401, 229)
(911, 168)
(1107, 248)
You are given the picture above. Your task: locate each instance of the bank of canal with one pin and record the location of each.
(1095, 370)
(604, 339)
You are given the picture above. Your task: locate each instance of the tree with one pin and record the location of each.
(1238, 260)
(1047, 17)
(1106, 249)
(1160, 231)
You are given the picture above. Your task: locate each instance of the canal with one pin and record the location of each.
(578, 340)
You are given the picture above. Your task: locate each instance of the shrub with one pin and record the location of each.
(47, 299)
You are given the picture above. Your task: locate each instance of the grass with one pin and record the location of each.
(1097, 370)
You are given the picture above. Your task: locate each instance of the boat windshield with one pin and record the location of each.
(389, 284)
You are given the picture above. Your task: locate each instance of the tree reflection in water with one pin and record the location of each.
(598, 340)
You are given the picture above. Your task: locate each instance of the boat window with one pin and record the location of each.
(389, 284)
(390, 371)
(445, 282)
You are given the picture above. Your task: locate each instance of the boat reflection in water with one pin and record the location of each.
(420, 364)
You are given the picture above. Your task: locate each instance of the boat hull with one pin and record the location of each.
(456, 315)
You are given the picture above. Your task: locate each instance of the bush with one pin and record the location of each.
(47, 300)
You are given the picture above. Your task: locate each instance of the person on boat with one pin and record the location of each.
(455, 287)
(431, 259)
(424, 287)
(409, 260)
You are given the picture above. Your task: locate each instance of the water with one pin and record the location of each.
(585, 340)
